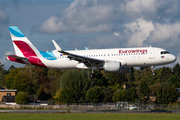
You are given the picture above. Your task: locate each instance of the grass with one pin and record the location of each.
(87, 116)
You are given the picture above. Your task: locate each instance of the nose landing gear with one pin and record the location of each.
(152, 69)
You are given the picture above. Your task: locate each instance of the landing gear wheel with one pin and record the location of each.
(99, 76)
(152, 69)
(92, 75)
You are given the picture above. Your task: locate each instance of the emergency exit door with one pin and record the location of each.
(151, 54)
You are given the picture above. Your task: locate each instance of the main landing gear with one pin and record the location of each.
(98, 76)
(92, 75)
(152, 69)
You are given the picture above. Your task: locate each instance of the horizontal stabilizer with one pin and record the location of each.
(16, 57)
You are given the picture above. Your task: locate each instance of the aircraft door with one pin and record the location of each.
(152, 54)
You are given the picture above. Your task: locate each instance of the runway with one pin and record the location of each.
(88, 111)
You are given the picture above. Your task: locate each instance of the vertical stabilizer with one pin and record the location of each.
(26, 52)
(23, 47)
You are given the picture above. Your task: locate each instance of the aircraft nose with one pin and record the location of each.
(174, 58)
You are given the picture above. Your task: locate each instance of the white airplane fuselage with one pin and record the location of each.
(130, 57)
(111, 60)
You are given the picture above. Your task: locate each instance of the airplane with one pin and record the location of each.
(117, 60)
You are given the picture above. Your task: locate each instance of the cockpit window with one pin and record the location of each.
(165, 52)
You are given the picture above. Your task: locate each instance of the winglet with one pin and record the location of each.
(86, 48)
(57, 46)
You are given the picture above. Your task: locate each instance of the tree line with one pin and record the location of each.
(75, 86)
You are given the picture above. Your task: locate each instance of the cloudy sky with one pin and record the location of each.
(91, 23)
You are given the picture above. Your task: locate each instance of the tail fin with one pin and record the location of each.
(26, 52)
(23, 47)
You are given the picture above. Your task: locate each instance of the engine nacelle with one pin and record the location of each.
(113, 66)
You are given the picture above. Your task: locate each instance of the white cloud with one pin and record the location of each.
(81, 17)
(139, 31)
(165, 34)
(101, 16)
(51, 25)
(9, 53)
(140, 6)
(129, 22)
(116, 33)
(3, 17)
(178, 58)
(3, 58)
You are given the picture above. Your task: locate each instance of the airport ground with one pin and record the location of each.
(90, 116)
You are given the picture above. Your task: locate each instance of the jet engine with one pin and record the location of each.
(113, 66)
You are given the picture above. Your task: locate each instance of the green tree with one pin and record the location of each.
(95, 94)
(120, 95)
(22, 98)
(43, 85)
(3, 72)
(174, 80)
(108, 94)
(176, 69)
(116, 78)
(76, 82)
(11, 67)
(9, 78)
(42, 95)
(132, 94)
(131, 75)
(22, 83)
(166, 72)
(144, 89)
(66, 96)
(166, 94)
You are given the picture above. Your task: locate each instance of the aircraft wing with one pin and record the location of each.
(89, 62)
